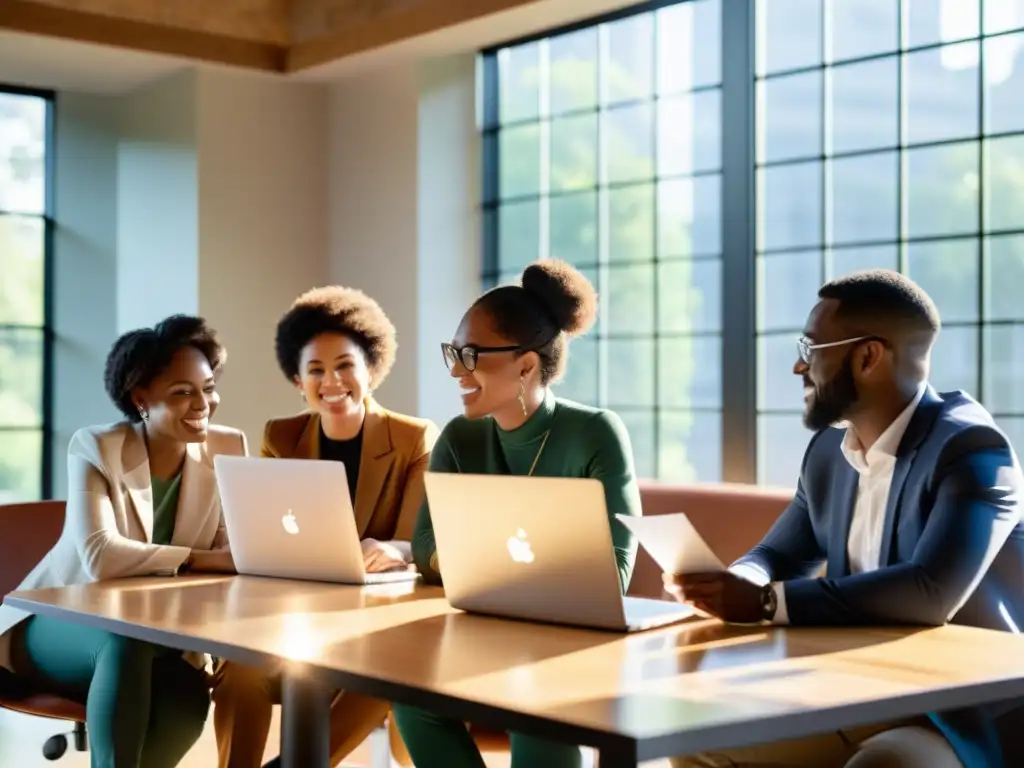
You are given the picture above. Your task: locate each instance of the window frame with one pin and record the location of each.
(741, 335)
(979, 235)
(737, 408)
(46, 426)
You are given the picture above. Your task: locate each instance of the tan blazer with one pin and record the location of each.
(108, 526)
(395, 453)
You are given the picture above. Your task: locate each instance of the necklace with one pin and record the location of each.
(433, 558)
(539, 452)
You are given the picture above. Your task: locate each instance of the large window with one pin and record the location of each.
(709, 163)
(604, 149)
(24, 328)
(891, 135)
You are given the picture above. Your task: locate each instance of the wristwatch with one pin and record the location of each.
(769, 602)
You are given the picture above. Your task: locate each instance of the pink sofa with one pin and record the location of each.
(731, 517)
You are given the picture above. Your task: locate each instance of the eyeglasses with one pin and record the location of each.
(468, 354)
(805, 347)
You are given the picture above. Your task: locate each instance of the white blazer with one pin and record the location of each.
(108, 525)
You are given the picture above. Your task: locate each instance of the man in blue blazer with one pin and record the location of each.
(912, 501)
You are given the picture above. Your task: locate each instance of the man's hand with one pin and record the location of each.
(723, 595)
(379, 556)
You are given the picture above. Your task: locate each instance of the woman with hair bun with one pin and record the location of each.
(142, 501)
(509, 348)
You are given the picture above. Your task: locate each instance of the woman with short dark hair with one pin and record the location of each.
(336, 346)
(142, 501)
(510, 347)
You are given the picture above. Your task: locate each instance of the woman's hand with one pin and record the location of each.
(380, 556)
(212, 561)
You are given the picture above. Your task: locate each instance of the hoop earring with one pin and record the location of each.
(522, 394)
(143, 414)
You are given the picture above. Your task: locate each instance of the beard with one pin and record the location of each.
(832, 402)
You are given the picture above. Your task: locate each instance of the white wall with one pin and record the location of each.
(157, 222)
(403, 213)
(228, 194)
(262, 228)
(85, 264)
(373, 164)
(449, 242)
(202, 193)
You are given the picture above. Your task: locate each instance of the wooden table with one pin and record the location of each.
(679, 690)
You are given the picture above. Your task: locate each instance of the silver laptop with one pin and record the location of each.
(537, 548)
(293, 519)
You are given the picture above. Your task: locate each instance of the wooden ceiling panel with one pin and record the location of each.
(312, 19)
(264, 21)
(272, 35)
(326, 30)
(41, 19)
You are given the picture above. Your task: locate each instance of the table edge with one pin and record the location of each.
(650, 746)
(444, 703)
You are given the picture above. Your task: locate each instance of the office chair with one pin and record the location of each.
(27, 532)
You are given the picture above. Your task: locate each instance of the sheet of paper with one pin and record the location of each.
(673, 543)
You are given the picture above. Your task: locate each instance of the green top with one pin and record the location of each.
(165, 507)
(582, 442)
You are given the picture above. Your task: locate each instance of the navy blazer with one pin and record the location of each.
(952, 545)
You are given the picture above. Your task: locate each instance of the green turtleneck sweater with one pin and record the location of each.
(583, 442)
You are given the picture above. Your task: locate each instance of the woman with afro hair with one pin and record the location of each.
(142, 501)
(336, 346)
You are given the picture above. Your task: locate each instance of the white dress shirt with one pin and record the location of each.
(875, 467)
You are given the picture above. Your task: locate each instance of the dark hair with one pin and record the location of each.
(336, 309)
(883, 296)
(139, 356)
(554, 302)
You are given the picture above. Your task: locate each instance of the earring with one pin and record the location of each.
(522, 394)
(143, 414)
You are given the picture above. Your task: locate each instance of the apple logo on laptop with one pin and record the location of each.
(519, 548)
(290, 524)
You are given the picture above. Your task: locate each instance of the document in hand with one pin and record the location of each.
(673, 543)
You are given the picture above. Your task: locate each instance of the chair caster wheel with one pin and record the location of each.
(55, 747)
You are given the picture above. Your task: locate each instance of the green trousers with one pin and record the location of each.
(441, 742)
(145, 705)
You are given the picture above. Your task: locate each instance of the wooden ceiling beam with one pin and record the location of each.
(52, 21)
(327, 30)
(270, 35)
(261, 21)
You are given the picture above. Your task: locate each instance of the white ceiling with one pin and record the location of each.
(58, 64)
